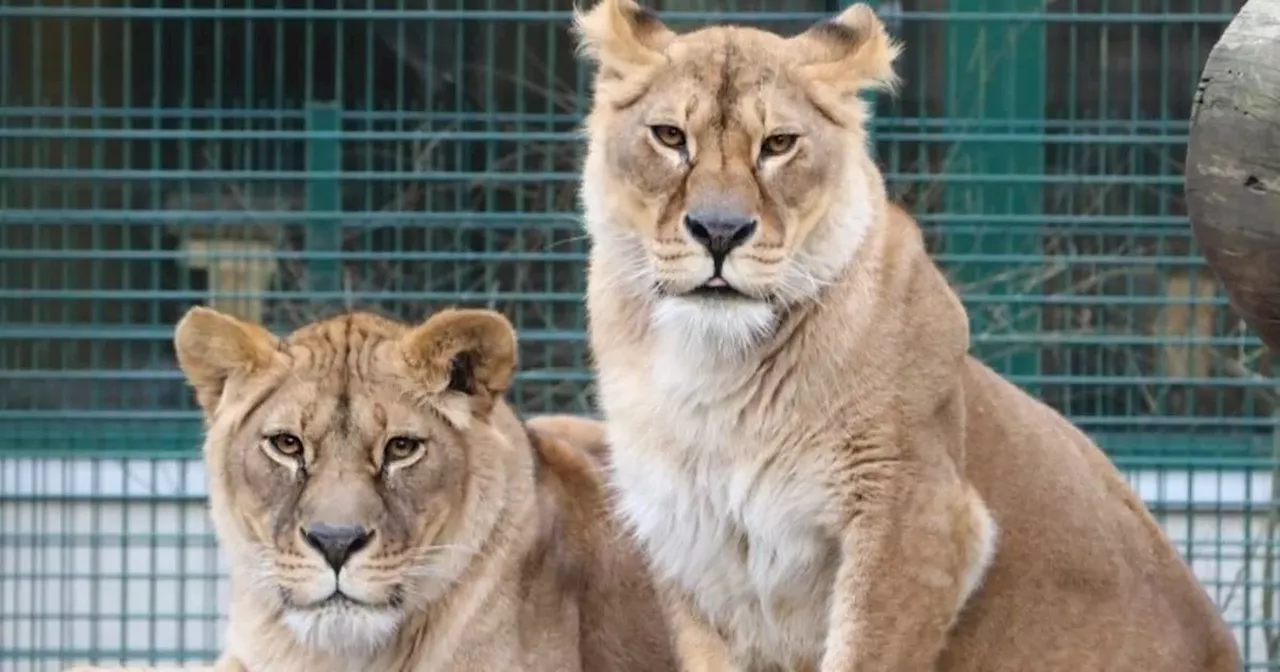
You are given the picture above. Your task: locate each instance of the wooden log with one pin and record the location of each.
(1233, 165)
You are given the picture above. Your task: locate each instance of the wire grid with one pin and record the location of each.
(287, 160)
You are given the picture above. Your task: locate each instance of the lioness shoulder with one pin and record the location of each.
(383, 508)
(822, 477)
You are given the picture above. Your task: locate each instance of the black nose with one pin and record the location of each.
(337, 543)
(719, 234)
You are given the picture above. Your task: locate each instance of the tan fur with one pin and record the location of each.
(583, 433)
(492, 546)
(824, 480)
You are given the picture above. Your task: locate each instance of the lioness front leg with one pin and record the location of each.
(907, 568)
(699, 648)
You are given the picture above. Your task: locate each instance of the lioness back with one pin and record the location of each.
(383, 508)
(627, 630)
(1078, 553)
(822, 478)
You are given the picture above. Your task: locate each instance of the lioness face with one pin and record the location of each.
(728, 166)
(352, 463)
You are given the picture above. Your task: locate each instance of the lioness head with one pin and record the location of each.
(355, 466)
(728, 174)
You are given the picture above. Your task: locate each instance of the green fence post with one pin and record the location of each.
(995, 73)
(324, 227)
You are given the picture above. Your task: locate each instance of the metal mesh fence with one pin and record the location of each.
(284, 159)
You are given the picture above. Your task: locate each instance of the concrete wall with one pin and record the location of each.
(117, 558)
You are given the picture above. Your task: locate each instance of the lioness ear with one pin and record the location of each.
(851, 52)
(621, 36)
(468, 351)
(211, 347)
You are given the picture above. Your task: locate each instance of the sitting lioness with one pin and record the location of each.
(384, 510)
(822, 476)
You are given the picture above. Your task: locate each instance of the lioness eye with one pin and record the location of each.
(286, 444)
(778, 144)
(401, 448)
(669, 135)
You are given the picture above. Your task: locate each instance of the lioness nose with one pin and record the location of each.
(720, 234)
(337, 543)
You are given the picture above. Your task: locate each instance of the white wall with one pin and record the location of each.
(118, 557)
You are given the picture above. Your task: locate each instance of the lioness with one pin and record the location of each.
(823, 478)
(384, 510)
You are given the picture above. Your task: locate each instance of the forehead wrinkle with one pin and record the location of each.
(259, 401)
(743, 87)
(367, 426)
(362, 363)
(346, 345)
(725, 93)
(313, 418)
(289, 378)
(690, 106)
(768, 88)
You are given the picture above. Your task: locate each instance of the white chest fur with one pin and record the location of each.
(735, 522)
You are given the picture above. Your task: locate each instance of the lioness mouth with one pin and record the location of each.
(717, 287)
(340, 598)
(720, 292)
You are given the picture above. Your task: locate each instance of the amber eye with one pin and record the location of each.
(779, 144)
(401, 448)
(286, 444)
(669, 135)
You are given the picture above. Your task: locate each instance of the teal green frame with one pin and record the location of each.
(324, 230)
(1013, 57)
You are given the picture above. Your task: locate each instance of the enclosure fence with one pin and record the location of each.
(284, 160)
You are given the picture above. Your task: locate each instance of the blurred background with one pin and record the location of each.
(286, 159)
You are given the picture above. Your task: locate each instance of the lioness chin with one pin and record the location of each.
(821, 475)
(383, 509)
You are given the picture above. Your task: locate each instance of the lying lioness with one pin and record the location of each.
(823, 478)
(384, 510)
